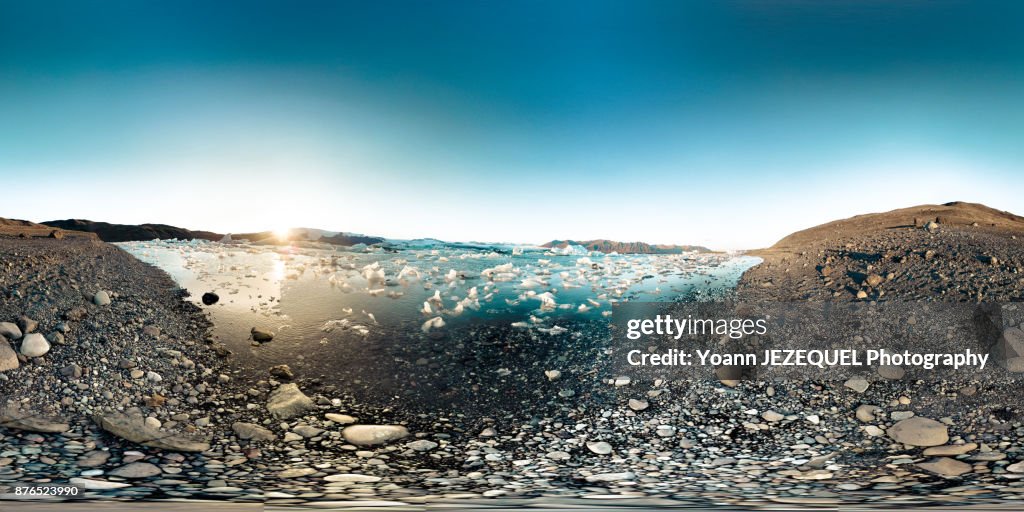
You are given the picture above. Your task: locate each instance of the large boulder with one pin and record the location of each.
(946, 466)
(367, 435)
(21, 419)
(287, 402)
(133, 428)
(252, 432)
(919, 431)
(136, 470)
(8, 357)
(10, 331)
(34, 345)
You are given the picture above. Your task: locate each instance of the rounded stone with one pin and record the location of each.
(919, 431)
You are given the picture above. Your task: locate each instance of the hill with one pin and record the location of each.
(951, 252)
(26, 229)
(131, 233)
(956, 214)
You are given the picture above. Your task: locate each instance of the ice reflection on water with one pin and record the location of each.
(315, 296)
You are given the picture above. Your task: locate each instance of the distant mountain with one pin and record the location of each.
(607, 246)
(351, 239)
(131, 233)
(142, 232)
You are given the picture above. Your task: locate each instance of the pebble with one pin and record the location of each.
(599, 447)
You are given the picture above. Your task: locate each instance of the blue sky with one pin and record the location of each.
(728, 123)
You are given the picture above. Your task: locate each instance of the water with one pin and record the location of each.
(358, 319)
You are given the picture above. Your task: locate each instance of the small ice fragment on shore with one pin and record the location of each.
(554, 331)
(434, 323)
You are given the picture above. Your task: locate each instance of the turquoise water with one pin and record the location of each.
(321, 301)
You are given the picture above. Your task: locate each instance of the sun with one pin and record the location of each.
(282, 234)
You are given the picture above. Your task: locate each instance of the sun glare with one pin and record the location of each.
(282, 233)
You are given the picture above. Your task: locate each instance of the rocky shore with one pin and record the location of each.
(952, 252)
(111, 383)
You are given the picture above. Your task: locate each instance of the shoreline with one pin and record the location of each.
(676, 440)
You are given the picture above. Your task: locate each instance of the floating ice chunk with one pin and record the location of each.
(459, 308)
(374, 275)
(594, 303)
(452, 275)
(470, 303)
(409, 272)
(520, 325)
(505, 272)
(331, 325)
(434, 323)
(583, 308)
(375, 292)
(427, 310)
(436, 299)
(347, 311)
(532, 283)
(547, 300)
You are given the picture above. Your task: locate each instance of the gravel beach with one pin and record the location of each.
(125, 396)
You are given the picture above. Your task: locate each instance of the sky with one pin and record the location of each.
(724, 123)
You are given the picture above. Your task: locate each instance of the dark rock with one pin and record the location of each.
(282, 371)
(261, 335)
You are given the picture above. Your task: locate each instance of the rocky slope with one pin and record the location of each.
(25, 229)
(608, 246)
(131, 233)
(951, 252)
